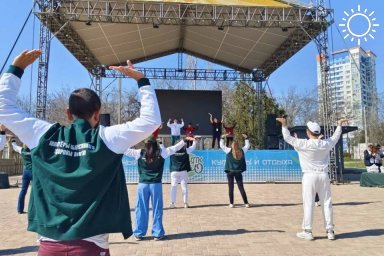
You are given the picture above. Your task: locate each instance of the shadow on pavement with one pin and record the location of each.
(19, 250)
(355, 203)
(362, 233)
(216, 233)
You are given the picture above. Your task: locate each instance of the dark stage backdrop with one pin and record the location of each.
(192, 106)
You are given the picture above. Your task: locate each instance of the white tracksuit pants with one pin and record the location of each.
(182, 178)
(317, 182)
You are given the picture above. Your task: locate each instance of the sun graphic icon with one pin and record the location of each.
(370, 30)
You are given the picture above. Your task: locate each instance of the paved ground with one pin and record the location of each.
(209, 227)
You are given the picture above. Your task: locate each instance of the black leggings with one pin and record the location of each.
(214, 138)
(239, 180)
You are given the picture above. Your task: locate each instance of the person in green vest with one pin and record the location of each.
(79, 193)
(235, 165)
(179, 167)
(27, 173)
(150, 165)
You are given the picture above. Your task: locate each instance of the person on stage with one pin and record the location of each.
(229, 131)
(27, 173)
(314, 159)
(150, 161)
(216, 129)
(175, 129)
(179, 167)
(79, 194)
(190, 132)
(235, 165)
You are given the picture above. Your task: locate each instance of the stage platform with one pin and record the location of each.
(210, 228)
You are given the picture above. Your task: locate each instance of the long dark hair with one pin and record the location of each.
(151, 151)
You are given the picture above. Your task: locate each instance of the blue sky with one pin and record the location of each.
(299, 71)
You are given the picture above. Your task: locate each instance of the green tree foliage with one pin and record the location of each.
(243, 108)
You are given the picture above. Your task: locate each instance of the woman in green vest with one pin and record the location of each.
(150, 161)
(234, 167)
(179, 167)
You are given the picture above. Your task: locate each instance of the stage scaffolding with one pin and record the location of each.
(307, 23)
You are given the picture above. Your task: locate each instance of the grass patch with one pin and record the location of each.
(354, 164)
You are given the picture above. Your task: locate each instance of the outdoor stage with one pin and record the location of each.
(209, 227)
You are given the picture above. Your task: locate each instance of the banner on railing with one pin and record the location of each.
(208, 166)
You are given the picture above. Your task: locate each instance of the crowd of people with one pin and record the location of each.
(79, 194)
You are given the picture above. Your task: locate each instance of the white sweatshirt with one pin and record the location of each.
(227, 150)
(165, 152)
(313, 153)
(175, 128)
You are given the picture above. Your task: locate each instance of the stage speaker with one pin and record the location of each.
(273, 142)
(271, 126)
(105, 119)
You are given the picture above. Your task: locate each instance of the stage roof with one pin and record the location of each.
(239, 34)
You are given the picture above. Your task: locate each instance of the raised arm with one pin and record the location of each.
(169, 123)
(27, 128)
(222, 145)
(119, 138)
(298, 144)
(246, 143)
(166, 152)
(336, 135)
(135, 153)
(16, 148)
(210, 118)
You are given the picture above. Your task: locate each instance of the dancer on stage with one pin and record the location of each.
(229, 131)
(79, 194)
(175, 129)
(235, 165)
(27, 173)
(314, 158)
(190, 132)
(179, 167)
(150, 162)
(216, 129)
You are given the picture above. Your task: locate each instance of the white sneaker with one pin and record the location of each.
(230, 206)
(172, 205)
(247, 206)
(331, 234)
(305, 235)
(317, 204)
(186, 205)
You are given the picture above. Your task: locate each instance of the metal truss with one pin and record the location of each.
(328, 115)
(187, 74)
(42, 71)
(158, 13)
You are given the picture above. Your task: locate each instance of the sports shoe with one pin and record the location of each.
(138, 238)
(172, 205)
(317, 204)
(230, 206)
(158, 238)
(186, 205)
(247, 206)
(305, 235)
(331, 234)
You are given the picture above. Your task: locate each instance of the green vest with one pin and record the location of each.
(150, 173)
(79, 187)
(27, 160)
(231, 164)
(180, 162)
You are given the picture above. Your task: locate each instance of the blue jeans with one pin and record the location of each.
(174, 139)
(145, 192)
(26, 179)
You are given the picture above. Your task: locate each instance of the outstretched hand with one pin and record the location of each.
(129, 70)
(26, 58)
(244, 135)
(282, 120)
(342, 121)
